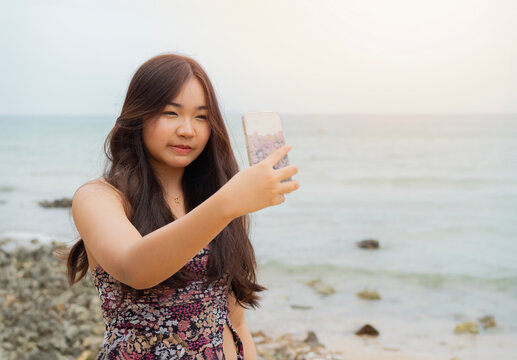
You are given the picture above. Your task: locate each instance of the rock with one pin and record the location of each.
(467, 327)
(259, 337)
(312, 339)
(300, 307)
(58, 244)
(369, 295)
(85, 355)
(487, 321)
(62, 203)
(282, 352)
(288, 346)
(367, 330)
(6, 241)
(37, 308)
(9, 299)
(458, 316)
(321, 287)
(99, 329)
(368, 244)
(92, 341)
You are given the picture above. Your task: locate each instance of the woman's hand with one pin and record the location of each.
(259, 186)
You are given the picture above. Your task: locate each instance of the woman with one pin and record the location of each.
(164, 231)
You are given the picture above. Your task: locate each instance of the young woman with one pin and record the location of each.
(165, 230)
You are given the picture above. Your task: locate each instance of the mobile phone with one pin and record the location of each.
(264, 134)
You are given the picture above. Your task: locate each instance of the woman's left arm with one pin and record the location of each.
(236, 314)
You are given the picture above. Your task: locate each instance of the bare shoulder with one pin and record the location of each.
(98, 190)
(107, 233)
(99, 186)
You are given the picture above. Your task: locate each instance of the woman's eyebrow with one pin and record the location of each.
(181, 106)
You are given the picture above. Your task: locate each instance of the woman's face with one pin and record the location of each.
(184, 121)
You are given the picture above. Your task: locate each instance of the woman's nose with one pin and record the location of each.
(185, 127)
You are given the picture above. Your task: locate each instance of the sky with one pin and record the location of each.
(328, 57)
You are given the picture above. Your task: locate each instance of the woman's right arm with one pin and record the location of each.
(143, 262)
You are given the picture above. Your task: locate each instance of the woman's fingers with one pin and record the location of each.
(288, 186)
(283, 173)
(288, 171)
(277, 155)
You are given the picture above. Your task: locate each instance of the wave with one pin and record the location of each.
(6, 188)
(429, 180)
(423, 279)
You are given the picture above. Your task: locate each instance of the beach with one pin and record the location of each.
(45, 319)
(408, 319)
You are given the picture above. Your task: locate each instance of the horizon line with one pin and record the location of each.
(234, 113)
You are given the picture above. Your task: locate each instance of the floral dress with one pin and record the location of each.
(182, 323)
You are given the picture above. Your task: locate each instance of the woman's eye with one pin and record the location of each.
(170, 113)
(202, 117)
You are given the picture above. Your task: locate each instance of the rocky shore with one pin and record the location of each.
(42, 318)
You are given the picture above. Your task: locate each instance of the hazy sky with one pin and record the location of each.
(365, 56)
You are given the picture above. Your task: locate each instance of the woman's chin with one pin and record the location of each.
(181, 163)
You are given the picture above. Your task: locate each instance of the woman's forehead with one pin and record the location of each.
(191, 95)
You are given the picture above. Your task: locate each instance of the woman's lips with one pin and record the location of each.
(181, 150)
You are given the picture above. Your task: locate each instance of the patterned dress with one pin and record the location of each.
(183, 323)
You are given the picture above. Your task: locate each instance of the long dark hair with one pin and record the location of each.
(127, 169)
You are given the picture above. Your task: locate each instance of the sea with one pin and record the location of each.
(437, 191)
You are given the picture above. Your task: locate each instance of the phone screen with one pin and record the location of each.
(264, 134)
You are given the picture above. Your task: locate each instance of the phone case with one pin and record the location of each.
(264, 134)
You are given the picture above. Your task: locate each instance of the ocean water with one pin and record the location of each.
(439, 192)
